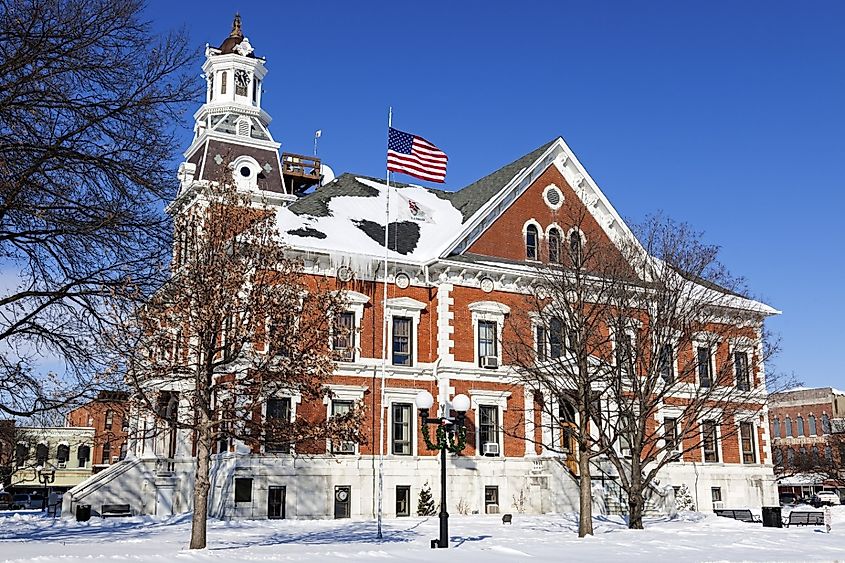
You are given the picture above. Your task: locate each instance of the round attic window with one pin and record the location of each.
(553, 196)
(245, 171)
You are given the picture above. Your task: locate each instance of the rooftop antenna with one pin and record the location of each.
(317, 134)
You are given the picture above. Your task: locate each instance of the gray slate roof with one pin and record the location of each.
(467, 200)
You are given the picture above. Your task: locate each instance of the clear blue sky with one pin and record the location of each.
(728, 115)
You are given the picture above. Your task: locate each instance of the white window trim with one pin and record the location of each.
(677, 414)
(355, 303)
(341, 393)
(562, 234)
(711, 342)
(739, 418)
(746, 345)
(546, 191)
(493, 312)
(406, 396)
(487, 398)
(716, 417)
(631, 332)
(404, 307)
(242, 183)
(540, 238)
(674, 343)
(581, 235)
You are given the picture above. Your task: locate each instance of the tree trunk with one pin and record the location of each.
(201, 483)
(585, 520)
(636, 501)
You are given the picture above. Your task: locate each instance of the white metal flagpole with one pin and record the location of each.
(383, 340)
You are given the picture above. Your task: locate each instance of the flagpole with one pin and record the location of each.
(383, 340)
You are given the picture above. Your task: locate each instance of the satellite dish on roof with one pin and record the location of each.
(326, 174)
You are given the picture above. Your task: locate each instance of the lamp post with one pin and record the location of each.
(45, 477)
(451, 436)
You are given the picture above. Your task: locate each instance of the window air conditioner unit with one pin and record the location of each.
(345, 355)
(718, 505)
(490, 362)
(346, 448)
(492, 509)
(490, 448)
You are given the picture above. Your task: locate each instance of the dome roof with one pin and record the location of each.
(235, 38)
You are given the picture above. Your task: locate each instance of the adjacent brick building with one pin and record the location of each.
(108, 416)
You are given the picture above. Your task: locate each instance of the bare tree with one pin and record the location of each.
(237, 325)
(688, 355)
(646, 351)
(89, 101)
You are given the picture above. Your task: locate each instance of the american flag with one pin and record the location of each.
(414, 156)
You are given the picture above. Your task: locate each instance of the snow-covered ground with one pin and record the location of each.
(690, 537)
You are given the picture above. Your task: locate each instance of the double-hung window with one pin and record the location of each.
(541, 344)
(401, 420)
(340, 408)
(402, 341)
(705, 375)
(343, 342)
(278, 416)
(743, 377)
(556, 338)
(666, 363)
(746, 435)
(488, 428)
(670, 433)
(711, 441)
(487, 342)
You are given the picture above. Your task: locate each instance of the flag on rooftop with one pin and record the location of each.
(414, 156)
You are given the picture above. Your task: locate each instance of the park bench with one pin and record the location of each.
(805, 518)
(109, 510)
(507, 519)
(743, 515)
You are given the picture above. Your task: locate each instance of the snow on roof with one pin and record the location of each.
(355, 223)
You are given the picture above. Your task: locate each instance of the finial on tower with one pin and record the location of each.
(236, 26)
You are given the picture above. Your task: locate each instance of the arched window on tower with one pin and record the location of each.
(531, 239)
(554, 246)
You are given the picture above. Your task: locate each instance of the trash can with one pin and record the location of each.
(771, 517)
(83, 512)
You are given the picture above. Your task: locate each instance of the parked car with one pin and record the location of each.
(825, 498)
(26, 501)
(6, 501)
(787, 498)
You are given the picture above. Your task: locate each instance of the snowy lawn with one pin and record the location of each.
(690, 537)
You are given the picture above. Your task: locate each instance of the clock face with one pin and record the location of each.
(241, 78)
(487, 285)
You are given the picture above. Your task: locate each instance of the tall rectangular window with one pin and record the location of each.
(222, 82)
(343, 342)
(488, 427)
(487, 346)
(106, 452)
(743, 378)
(109, 420)
(670, 433)
(541, 343)
(666, 363)
(403, 500)
(340, 408)
(556, 338)
(746, 434)
(402, 343)
(705, 377)
(401, 416)
(278, 415)
(711, 441)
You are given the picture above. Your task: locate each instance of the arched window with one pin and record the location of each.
(788, 426)
(776, 427)
(790, 456)
(811, 425)
(554, 246)
(62, 453)
(828, 454)
(778, 456)
(799, 422)
(814, 460)
(531, 238)
(825, 424)
(575, 249)
(556, 337)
